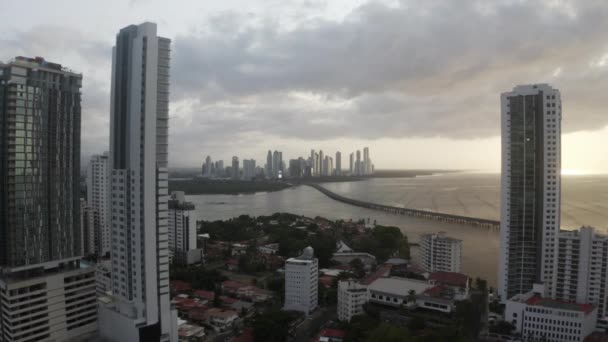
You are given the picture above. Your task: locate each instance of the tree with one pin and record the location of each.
(217, 300)
(358, 267)
(272, 326)
(502, 328)
(416, 324)
(389, 333)
(411, 296)
(481, 285)
(359, 328)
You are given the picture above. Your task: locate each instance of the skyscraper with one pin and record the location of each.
(352, 164)
(98, 182)
(140, 310)
(207, 167)
(235, 167)
(301, 282)
(276, 164)
(338, 164)
(269, 164)
(40, 233)
(531, 163)
(321, 163)
(367, 164)
(182, 230)
(248, 169)
(358, 164)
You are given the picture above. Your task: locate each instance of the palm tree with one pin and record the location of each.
(411, 296)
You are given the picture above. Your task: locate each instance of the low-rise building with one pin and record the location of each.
(439, 252)
(543, 319)
(271, 248)
(396, 291)
(190, 333)
(221, 319)
(351, 297)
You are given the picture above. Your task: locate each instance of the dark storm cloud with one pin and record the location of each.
(418, 68)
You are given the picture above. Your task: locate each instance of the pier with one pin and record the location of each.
(426, 214)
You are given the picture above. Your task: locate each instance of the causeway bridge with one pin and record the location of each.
(426, 214)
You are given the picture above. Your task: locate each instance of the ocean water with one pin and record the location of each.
(584, 202)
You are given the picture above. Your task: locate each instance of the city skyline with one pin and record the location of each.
(410, 106)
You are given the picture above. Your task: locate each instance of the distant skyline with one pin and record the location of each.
(417, 82)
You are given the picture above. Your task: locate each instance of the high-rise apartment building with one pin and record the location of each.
(98, 182)
(367, 164)
(248, 169)
(352, 164)
(440, 253)
(581, 272)
(358, 164)
(182, 231)
(46, 292)
(91, 228)
(338, 171)
(140, 308)
(530, 180)
(269, 164)
(235, 168)
(301, 282)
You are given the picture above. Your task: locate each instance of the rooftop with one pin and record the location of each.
(399, 286)
(450, 278)
(537, 300)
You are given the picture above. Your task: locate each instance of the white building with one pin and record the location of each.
(351, 297)
(98, 197)
(530, 203)
(439, 252)
(541, 319)
(140, 308)
(396, 291)
(182, 231)
(581, 274)
(302, 282)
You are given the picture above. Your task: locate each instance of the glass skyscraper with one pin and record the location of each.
(40, 233)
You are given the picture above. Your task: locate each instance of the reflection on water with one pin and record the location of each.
(585, 201)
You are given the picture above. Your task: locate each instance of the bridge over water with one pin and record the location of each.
(473, 221)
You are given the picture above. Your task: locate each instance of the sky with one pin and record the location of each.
(419, 82)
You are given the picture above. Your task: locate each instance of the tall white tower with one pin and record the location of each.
(301, 282)
(139, 196)
(530, 209)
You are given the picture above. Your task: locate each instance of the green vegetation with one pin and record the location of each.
(272, 326)
(236, 229)
(383, 243)
(197, 276)
(199, 186)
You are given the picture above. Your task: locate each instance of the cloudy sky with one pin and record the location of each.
(416, 81)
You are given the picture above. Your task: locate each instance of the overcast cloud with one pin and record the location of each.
(381, 70)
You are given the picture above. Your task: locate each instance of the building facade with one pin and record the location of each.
(302, 282)
(98, 198)
(439, 252)
(541, 319)
(45, 291)
(351, 297)
(140, 308)
(530, 181)
(182, 231)
(338, 171)
(581, 273)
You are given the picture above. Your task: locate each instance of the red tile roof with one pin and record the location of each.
(228, 300)
(208, 295)
(450, 278)
(334, 333)
(232, 285)
(180, 286)
(556, 304)
(246, 336)
(435, 291)
(327, 281)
